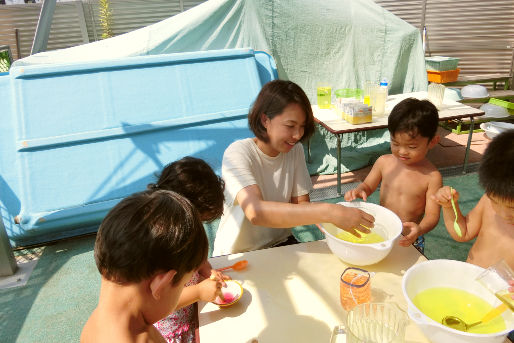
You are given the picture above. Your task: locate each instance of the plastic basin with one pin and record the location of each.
(387, 224)
(453, 274)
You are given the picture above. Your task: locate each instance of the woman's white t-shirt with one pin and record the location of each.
(279, 178)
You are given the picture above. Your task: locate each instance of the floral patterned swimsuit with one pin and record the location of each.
(179, 326)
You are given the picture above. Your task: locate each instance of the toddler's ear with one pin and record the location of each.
(433, 142)
(160, 281)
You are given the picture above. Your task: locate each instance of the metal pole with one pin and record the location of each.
(43, 27)
(8, 264)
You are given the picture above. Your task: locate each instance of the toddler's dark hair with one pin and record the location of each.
(496, 173)
(413, 116)
(147, 233)
(194, 178)
(273, 98)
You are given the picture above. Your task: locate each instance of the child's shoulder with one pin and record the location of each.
(387, 158)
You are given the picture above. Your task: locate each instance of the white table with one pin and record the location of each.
(330, 120)
(291, 294)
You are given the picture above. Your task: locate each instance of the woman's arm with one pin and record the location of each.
(286, 215)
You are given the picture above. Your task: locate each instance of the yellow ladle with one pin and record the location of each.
(458, 324)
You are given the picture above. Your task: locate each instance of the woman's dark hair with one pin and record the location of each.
(495, 172)
(413, 116)
(150, 232)
(273, 98)
(194, 178)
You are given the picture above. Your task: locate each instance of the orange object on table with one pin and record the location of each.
(354, 287)
(443, 76)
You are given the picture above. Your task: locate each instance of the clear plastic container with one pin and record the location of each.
(376, 323)
(378, 98)
(355, 287)
(324, 95)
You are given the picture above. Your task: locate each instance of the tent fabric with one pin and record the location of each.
(340, 42)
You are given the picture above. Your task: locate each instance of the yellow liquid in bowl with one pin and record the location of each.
(439, 302)
(369, 238)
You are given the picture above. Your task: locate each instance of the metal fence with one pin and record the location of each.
(77, 22)
(480, 33)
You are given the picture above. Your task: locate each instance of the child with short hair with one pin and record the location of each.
(146, 250)
(194, 179)
(406, 177)
(267, 180)
(491, 221)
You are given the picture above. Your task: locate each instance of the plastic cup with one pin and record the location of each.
(354, 287)
(436, 94)
(368, 89)
(496, 279)
(324, 95)
(376, 323)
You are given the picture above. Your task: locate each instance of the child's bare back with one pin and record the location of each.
(491, 221)
(494, 236)
(96, 330)
(494, 233)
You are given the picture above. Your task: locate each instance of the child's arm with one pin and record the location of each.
(207, 290)
(431, 216)
(469, 225)
(369, 184)
(206, 271)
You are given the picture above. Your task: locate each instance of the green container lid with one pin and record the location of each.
(345, 93)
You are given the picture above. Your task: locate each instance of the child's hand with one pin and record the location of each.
(410, 233)
(219, 276)
(443, 196)
(355, 193)
(209, 289)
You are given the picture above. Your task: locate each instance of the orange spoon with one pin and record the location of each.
(236, 266)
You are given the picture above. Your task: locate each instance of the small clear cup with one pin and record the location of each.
(497, 279)
(376, 323)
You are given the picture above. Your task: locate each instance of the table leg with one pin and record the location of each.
(468, 146)
(338, 165)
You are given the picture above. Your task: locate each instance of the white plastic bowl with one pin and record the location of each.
(474, 91)
(494, 128)
(453, 274)
(387, 224)
(494, 111)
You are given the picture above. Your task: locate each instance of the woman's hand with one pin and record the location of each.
(352, 219)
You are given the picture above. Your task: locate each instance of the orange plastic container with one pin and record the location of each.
(443, 76)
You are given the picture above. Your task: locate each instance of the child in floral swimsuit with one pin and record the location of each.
(194, 179)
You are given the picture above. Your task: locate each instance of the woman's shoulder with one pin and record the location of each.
(241, 145)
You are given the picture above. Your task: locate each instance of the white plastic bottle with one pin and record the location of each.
(380, 99)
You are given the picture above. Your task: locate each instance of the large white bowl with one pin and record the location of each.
(387, 224)
(453, 274)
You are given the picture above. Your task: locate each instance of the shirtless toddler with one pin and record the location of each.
(407, 179)
(146, 250)
(491, 221)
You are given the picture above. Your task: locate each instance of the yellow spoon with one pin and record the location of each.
(458, 324)
(456, 226)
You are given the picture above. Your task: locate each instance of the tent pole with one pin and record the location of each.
(43, 27)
